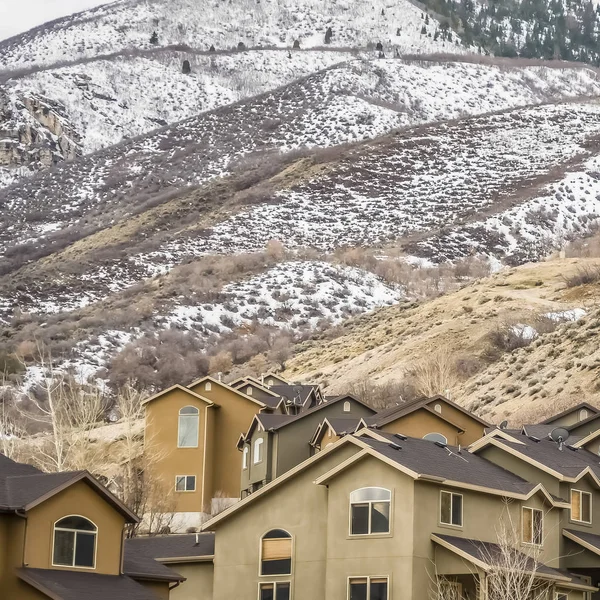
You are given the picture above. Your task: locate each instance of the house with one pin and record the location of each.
(190, 555)
(275, 443)
(61, 538)
(382, 516)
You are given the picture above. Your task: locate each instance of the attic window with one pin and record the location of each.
(346, 406)
(436, 437)
(74, 543)
(208, 386)
(270, 382)
(438, 408)
(249, 391)
(258, 451)
(583, 414)
(245, 457)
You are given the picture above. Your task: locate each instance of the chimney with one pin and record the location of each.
(220, 375)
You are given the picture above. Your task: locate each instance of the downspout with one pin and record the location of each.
(177, 584)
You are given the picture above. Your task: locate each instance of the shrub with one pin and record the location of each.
(583, 276)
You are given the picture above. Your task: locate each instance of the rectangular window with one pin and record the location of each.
(185, 483)
(451, 509)
(370, 511)
(279, 590)
(561, 596)
(533, 526)
(581, 506)
(368, 588)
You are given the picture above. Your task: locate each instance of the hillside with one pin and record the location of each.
(519, 344)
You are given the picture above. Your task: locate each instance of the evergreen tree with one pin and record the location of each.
(154, 38)
(186, 67)
(328, 35)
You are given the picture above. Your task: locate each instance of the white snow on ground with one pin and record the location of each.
(130, 25)
(527, 332)
(294, 295)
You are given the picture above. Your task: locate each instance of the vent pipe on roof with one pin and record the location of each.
(197, 539)
(220, 375)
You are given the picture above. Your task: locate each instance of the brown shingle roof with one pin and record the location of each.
(137, 564)
(168, 547)
(76, 585)
(573, 409)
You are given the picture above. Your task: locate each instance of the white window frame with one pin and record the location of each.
(368, 578)
(581, 493)
(370, 502)
(260, 559)
(73, 566)
(462, 509)
(186, 482)
(347, 406)
(208, 386)
(532, 543)
(245, 453)
(197, 417)
(435, 433)
(275, 583)
(258, 450)
(561, 595)
(438, 408)
(583, 414)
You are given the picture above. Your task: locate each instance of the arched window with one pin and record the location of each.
(245, 457)
(370, 511)
(189, 421)
(436, 437)
(583, 414)
(438, 408)
(208, 386)
(248, 391)
(346, 406)
(258, 450)
(74, 543)
(276, 553)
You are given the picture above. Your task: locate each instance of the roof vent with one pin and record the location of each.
(197, 539)
(534, 439)
(400, 436)
(440, 444)
(395, 446)
(573, 448)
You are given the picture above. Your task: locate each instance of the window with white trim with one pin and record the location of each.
(581, 506)
(248, 391)
(208, 386)
(583, 414)
(532, 526)
(347, 406)
(274, 590)
(185, 483)
(74, 543)
(276, 553)
(258, 451)
(561, 596)
(189, 426)
(438, 408)
(370, 511)
(451, 509)
(436, 437)
(368, 588)
(245, 453)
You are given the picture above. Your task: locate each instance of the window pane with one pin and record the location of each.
(370, 494)
(575, 505)
(527, 526)
(586, 508)
(64, 543)
(276, 534)
(188, 410)
(276, 567)
(360, 519)
(84, 550)
(267, 591)
(445, 507)
(358, 589)
(380, 517)
(282, 591)
(456, 510)
(379, 589)
(190, 483)
(188, 431)
(74, 522)
(180, 483)
(537, 526)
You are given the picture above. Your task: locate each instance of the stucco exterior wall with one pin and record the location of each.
(473, 430)
(420, 423)
(198, 584)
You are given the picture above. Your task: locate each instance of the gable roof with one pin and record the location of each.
(339, 425)
(195, 547)
(75, 585)
(564, 413)
(23, 487)
(242, 381)
(223, 385)
(181, 388)
(139, 566)
(586, 539)
(401, 410)
(568, 464)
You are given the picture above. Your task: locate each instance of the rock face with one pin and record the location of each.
(34, 133)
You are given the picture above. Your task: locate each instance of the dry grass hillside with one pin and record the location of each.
(494, 346)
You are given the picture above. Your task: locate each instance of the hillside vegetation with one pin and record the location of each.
(516, 345)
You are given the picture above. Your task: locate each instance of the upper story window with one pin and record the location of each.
(245, 453)
(258, 451)
(189, 424)
(436, 437)
(346, 406)
(581, 506)
(74, 543)
(208, 386)
(583, 414)
(368, 588)
(438, 408)
(451, 509)
(276, 553)
(275, 590)
(532, 526)
(370, 511)
(185, 483)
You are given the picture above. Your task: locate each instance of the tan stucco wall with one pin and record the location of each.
(420, 423)
(78, 499)
(298, 506)
(159, 589)
(232, 419)
(168, 461)
(473, 430)
(198, 584)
